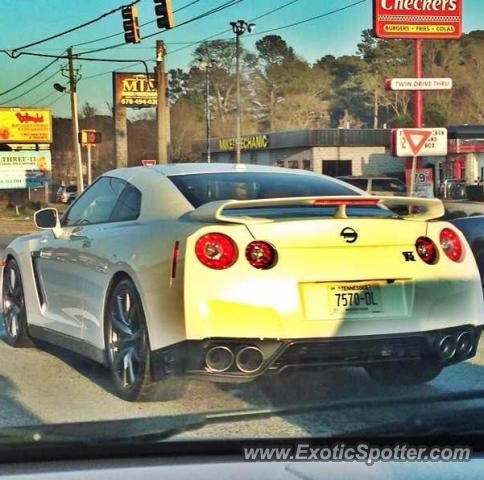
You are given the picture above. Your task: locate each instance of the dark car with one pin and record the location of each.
(473, 229)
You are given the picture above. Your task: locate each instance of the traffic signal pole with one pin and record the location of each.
(75, 122)
(161, 109)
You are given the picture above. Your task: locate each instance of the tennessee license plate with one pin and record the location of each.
(358, 298)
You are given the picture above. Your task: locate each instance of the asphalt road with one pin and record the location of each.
(52, 385)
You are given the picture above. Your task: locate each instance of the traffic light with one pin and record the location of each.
(130, 24)
(89, 137)
(164, 13)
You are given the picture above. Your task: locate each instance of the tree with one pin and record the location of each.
(88, 110)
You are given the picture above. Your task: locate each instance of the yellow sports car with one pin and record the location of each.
(237, 271)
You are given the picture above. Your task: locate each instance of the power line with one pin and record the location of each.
(142, 25)
(73, 29)
(265, 14)
(60, 97)
(23, 82)
(251, 34)
(50, 94)
(203, 15)
(271, 29)
(217, 9)
(30, 90)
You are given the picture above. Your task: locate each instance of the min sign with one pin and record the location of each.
(417, 18)
(414, 142)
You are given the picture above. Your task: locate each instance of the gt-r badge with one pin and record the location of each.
(409, 256)
(349, 235)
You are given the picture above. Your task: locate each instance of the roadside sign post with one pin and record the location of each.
(417, 20)
(413, 171)
(415, 142)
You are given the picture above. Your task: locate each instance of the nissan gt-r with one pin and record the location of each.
(234, 272)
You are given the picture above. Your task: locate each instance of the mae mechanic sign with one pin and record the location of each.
(414, 142)
(417, 18)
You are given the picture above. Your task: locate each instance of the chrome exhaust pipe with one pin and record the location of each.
(465, 344)
(249, 359)
(219, 359)
(447, 347)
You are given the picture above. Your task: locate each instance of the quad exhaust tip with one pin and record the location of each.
(219, 359)
(460, 345)
(448, 347)
(249, 359)
(465, 344)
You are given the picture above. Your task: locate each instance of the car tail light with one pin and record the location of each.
(216, 250)
(427, 250)
(451, 244)
(260, 254)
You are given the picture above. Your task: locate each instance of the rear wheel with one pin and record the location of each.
(13, 303)
(405, 373)
(128, 349)
(127, 345)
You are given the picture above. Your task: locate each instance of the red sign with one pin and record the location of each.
(416, 139)
(147, 163)
(423, 182)
(417, 18)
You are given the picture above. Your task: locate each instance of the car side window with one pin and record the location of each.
(357, 182)
(128, 205)
(96, 204)
(387, 185)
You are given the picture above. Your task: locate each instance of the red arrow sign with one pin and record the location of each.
(416, 139)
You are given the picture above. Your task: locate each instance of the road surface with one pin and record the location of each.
(52, 385)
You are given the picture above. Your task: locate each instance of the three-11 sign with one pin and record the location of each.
(415, 142)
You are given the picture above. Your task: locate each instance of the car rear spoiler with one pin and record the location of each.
(425, 208)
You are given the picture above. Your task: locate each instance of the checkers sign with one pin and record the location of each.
(417, 18)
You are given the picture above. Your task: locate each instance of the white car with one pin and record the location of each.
(236, 271)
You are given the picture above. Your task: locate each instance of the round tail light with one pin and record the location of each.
(260, 254)
(427, 250)
(216, 250)
(451, 244)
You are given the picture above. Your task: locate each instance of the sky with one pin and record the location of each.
(26, 21)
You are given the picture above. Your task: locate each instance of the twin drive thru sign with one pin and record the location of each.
(416, 142)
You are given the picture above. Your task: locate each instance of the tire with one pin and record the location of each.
(128, 349)
(405, 373)
(127, 345)
(13, 307)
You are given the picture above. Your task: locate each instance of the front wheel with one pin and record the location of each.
(405, 373)
(13, 303)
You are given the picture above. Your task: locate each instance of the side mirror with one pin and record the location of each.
(47, 219)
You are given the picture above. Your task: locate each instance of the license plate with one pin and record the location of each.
(359, 298)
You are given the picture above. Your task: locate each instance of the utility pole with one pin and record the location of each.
(239, 28)
(75, 121)
(237, 69)
(206, 64)
(161, 109)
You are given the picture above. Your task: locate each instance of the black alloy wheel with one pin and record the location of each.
(13, 306)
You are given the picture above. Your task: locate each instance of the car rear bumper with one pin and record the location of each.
(242, 360)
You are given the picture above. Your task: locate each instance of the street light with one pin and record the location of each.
(59, 87)
(206, 64)
(239, 28)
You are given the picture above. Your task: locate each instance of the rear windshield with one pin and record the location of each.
(209, 187)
